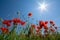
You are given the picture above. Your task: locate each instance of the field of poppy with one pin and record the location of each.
(31, 32)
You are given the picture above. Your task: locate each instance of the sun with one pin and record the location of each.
(42, 6)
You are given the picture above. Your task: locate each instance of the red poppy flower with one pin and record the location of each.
(33, 25)
(37, 30)
(45, 26)
(46, 22)
(52, 30)
(31, 30)
(7, 22)
(38, 27)
(16, 20)
(52, 23)
(41, 23)
(45, 30)
(29, 14)
(22, 23)
(4, 30)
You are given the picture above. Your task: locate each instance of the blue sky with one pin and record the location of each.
(9, 8)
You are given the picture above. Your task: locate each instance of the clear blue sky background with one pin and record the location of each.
(9, 8)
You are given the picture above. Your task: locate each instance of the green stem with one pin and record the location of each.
(11, 31)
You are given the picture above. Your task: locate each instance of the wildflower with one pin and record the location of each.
(7, 22)
(22, 23)
(31, 30)
(33, 25)
(52, 30)
(16, 20)
(29, 14)
(52, 23)
(41, 23)
(46, 22)
(45, 26)
(4, 30)
(38, 27)
(37, 30)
